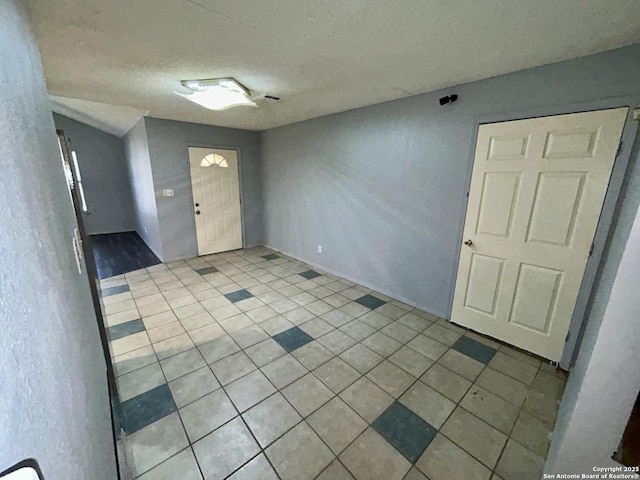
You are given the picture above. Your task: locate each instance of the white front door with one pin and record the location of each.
(536, 193)
(216, 199)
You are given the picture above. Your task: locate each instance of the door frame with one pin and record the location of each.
(91, 274)
(240, 188)
(609, 208)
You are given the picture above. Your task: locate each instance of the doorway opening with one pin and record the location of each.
(122, 252)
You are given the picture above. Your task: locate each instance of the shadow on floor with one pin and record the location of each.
(283, 371)
(117, 253)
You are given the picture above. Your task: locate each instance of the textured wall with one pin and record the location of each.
(144, 199)
(168, 147)
(54, 403)
(605, 381)
(383, 188)
(104, 177)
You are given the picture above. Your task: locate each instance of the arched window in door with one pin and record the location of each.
(214, 159)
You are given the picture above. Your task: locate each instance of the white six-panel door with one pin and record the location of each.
(537, 189)
(216, 198)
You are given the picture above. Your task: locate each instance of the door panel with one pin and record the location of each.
(216, 197)
(535, 297)
(485, 277)
(499, 193)
(579, 143)
(508, 147)
(536, 194)
(556, 204)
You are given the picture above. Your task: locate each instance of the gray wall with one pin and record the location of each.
(144, 198)
(168, 148)
(104, 177)
(383, 188)
(54, 403)
(604, 383)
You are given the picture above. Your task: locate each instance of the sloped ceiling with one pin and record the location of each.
(113, 119)
(319, 56)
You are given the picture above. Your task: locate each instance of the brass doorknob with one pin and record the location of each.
(468, 243)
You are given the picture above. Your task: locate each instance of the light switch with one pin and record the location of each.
(167, 192)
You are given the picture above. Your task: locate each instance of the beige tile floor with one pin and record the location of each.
(238, 405)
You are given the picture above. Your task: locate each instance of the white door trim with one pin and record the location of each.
(612, 199)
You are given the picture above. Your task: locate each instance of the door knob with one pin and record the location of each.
(468, 243)
(197, 204)
(197, 212)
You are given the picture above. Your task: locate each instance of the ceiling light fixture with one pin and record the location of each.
(217, 93)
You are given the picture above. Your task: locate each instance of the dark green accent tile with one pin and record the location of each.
(292, 339)
(125, 329)
(370, 301)
(114, 290)
(310, 274)
(206, 270)
(146, 408)
(238, 295)
(474, 349)
(405, 430)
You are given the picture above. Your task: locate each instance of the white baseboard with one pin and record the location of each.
(360, 282)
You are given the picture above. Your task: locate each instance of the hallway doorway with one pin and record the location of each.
(118, 253)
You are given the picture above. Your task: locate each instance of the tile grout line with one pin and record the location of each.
(509, 436)
(216, 322)
(334, 354)
(190, 446)
(303, 419)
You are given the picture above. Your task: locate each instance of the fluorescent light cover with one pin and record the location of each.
(219, 99)
(219, 94)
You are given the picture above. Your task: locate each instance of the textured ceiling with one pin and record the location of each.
(319, 56)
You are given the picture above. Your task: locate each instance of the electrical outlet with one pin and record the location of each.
(167, 192)
(319, 248)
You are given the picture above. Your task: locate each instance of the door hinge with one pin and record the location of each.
(591, 248)
(566, 339)
(619, 148)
